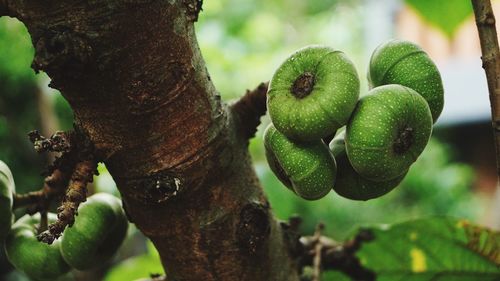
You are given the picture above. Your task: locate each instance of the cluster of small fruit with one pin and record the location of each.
(96, 235)
(314, 95)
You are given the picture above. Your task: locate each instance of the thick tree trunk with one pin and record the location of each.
(134, 76)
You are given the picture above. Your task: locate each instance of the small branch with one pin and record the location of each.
(54, 186)
(337, 256)
(317, 253)
(76, 194)
(44, 221)
(249, 109)
(485, 21)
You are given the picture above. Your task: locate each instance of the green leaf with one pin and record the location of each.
(433, 249)
(447, 15)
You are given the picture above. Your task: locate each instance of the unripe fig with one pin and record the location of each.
(349, 183)
(388, 130)
(7, 188)
(96, 235)
(403, 62)
(38, 260)
(307, 168)
(313, 93)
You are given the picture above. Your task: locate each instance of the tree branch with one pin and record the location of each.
(485, 21)
(248, 110)
(337, 256)
(134, 76)
(54, 186)
(75, 194)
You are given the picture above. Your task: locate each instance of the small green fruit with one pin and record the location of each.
(38, 260)
(7, 188)
(402, 62)
(349, 183)
(96, 235)
(313, 93)
(307, 168)
(388, 130)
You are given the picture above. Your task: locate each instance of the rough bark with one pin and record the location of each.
(134, 76)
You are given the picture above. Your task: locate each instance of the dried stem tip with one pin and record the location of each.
(303, 85)
(404, 141)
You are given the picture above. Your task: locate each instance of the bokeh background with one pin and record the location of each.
(243, 42)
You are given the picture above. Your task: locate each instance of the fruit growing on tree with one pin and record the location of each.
(402, 62)
(313, 93)
(308, 168)
(349, 183)
(96, 235)
(7, 188)
(38, 260)
(388, 130)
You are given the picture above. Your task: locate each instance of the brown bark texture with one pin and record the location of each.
(134, 76)
(486, 25)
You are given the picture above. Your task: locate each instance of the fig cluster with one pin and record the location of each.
(314, 95)
(93, 239)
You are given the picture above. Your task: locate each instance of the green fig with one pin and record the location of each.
(388, 130)
(349, 183)
(38, 260)
(403, 62)
(313, 93)
(96, 235)
(309, 169)
(7, 188)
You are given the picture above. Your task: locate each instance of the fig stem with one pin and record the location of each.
(404, 141)
(44, 222)
(303, 85)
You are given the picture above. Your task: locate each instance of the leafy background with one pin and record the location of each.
(243, 42)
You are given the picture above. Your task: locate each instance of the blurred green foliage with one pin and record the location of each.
(20, 89)
(18, 106)
(137, 267)
(438, 14)
(243, 42)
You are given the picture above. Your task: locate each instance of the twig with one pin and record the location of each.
(249, 109)
(485, 21)
(54, 186)
(318, 247)
(75, 194)
(337, 256)
(44, 221)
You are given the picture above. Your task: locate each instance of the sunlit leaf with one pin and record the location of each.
(433, 249)
(447, 15)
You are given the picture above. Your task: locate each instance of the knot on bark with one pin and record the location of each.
(61, 48)
(254, 227)
(157, 188)
(193, 7)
